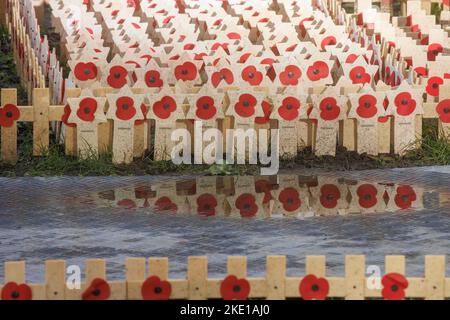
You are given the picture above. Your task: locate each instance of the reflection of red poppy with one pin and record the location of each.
(65, 117)
(265, 187)
(186, 72)
(245, 107)
(85, 71)
(329, 196)
(233, 288)
(251, 75)
(205, 108)
(153, 79)
(117, 77)
(125, 108)
(405, 103)
(8, 115)
(433, 84)
(329, 110)
(246, 205)
(289, 108)
(156, 289)
(367, 106)
(443, 110)
(224, 74)
(405, 197)
(266, 109)
(164, 107)
(290, 75)
(127, 204)
(144, 110)
(318, 70)
(313, 288)
(206, 205)
(328, 41)
(359, 75)
(394, 286)
(98, 290)
(433, 50)
(165, 204)
(14, 291)
(290, 199)
(86, 109)
(367, 194)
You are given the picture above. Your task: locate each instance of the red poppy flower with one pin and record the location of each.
(14, 291)
(405, 197)
(251, 75)
(127, 204)
(433, 50)
(153, 79)
(313, 288)
(222, 75)
(421, 71)
(329, 110)
(265, 187)
(443, 110)
(266, 109)
(125, 108)
(359, 75)
(98, 290)
(8, 115)
(186, 71)
(233, 288)
(394, 286)
(65, 117)
(318, 70)
(405, 104)
(165, 204)
(206, 205)
(246, 205)
(164, 107)
(144, 110)
(290, 75)
(328, 41)
(156, 289)
(290, 199)
(433, 86)
(205, 108)
(351, 58)
(245, 107)
(367, 194)
(289, 108)
(85, 71)
(367, 106)
(329, 196)
(86, 109)
(117, 77)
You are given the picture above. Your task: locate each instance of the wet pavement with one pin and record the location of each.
(377, 212)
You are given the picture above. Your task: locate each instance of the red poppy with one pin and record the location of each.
(265, 187)
(290, 75)
(85, 71)
(127, 204)
(8, 115)
(251, 75)
(405, 103)
(329, 196)
(313, 288)
(165, 204)
(302, 26)
(186, 71)
(246, 205)
(405, 197)
(359, 75)
(206, 205)
(394, 286)
(14, 291)
(329, 110)
(98, 290)
(421, 71)
(328, 41)
(86, 109)
(117, 77)
(144, 110)
(164, 107)
(233, 288)
(290, 199)
(289, 108)
(205, 108)
(156, 289)
(125, 108)
(367, 106)
(153, 79)
(351, 58)
(266, 109)
(318, 70)
(245, 107)
(433, 86)
(367, 194)
(433, 50)
(65, 117)
(443, 110)
(222, 75)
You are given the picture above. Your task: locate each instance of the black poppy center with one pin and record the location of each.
(9, 114)
(435, 52)
(446, 110)
(315, 287)
(404, 102)
(87, 72)
(289, 106)
(290, 201)
(435, 85)
(367, 105)
(358, 76)
(251, 75)
(166, 106)
(158, 290)
(329, 107)
(125, 106)
(117, 75)
(223, 77)
(96, 292)
(330, 197)
(368, 197)
(246, 104)
(394, 288)
(316, 71)
(184, 72)
(206, 106)
(87, 110)
(15, 294)
(236, 288)
(207, 206)
(290, 74)
(152, 79)
(405, 198)
(247, 206)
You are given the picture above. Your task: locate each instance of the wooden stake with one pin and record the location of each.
(41, 131)
(9, 134)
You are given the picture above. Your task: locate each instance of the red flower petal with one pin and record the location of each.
(85, 71)
(245, 107)
(329, 196)
(443, 110)
(8, 115)
(290, 76)
(290, 198)
(405, 103)
(206, 205)
(251, 75)
(153, 79)
(186, 72)
(394, 286)
(267, 112)
(367, 194)
(156, 289)
(329, 109)
(367, 107)
(14, 291)
(289, 109)
(86, 109)
(117, 77)
(125, 108)
(328, 41)
(312, 288)
(358, 75)
(98, 290)
(318, 70)
(205, 108)
(433, 84)
(233, 288)
(164, 108)
(246, 205)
